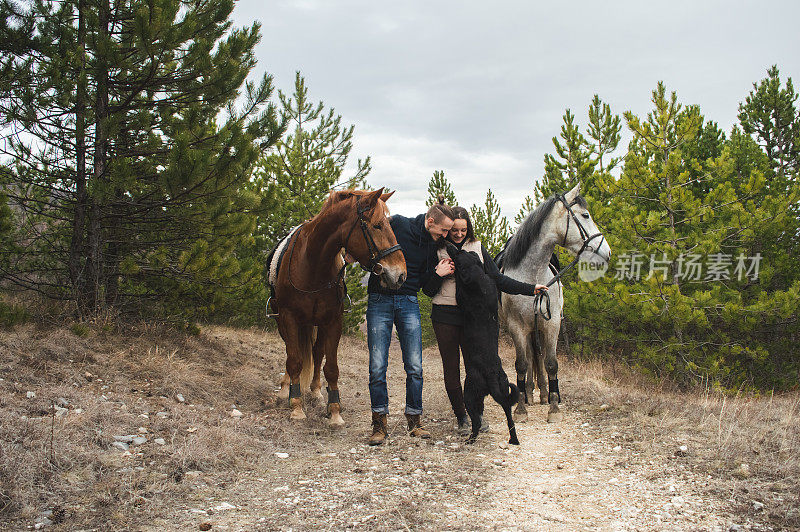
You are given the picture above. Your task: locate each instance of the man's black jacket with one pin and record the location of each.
(419, 250)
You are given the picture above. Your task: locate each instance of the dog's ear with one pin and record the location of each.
(466, 273)
(451, 249)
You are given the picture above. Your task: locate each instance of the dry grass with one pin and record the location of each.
(67, 464)
(749, 446)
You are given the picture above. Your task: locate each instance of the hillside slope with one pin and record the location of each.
(628, 456)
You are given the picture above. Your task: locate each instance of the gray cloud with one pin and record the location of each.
(478, 89)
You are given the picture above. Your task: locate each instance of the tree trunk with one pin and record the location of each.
(76, 273)
(94, 262)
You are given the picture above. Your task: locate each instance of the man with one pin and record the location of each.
(417, 238)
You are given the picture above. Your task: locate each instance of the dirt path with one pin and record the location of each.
(586, 473)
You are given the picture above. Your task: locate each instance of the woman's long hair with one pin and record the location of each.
(461, 213)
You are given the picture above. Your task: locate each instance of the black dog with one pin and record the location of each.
(476, 295)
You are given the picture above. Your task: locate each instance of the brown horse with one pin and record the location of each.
(309, 288)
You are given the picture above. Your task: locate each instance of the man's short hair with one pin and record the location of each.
(440, 210)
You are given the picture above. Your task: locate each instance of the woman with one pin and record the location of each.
(446, 316)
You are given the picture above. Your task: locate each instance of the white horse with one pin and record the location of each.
(559, 220)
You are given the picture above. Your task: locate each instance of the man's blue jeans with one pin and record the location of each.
(383, 311)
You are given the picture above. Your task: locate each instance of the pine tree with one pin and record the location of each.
(308, 162)
(141, 151)
(677, 321)
(604, 129)
(490, 226)
(440, 185)
(769, 114)
(571, 165)
(526, 208)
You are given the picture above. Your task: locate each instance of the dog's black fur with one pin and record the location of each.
(476, 295)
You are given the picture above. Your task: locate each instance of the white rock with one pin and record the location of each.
(139, 440)
(162, 414)
(617, 448)
(61, 411)
(78, 411)
(224, 506)
(31, 395)
(122, 446)
(282, 455)
(236, 413)
(125, 439)
(604, 407)
(758, 506)
(160, 441)
(62, 402)
(142, 430)
(179, 398)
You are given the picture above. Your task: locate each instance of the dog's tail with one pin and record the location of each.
(513, 395)
(504, 392)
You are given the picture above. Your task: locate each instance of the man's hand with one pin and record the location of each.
(539, 288)
(445, 267)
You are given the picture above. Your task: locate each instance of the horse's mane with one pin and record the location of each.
(519, 244)
(337, 196)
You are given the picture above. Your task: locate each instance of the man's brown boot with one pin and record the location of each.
(379, 429)
(415, 427)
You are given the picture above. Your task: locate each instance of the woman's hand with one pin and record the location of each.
(445, 267)
(539, 288)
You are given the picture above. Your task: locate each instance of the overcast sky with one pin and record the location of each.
(478, 89)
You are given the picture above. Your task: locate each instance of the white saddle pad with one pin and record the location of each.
(273, 265)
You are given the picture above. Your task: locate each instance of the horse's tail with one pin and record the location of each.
(307, 371)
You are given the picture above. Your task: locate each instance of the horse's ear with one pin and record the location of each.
(385, 197)
(371, 198)
(572, 194)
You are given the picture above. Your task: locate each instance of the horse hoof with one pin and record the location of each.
(555, 417)
(283, 394)
(543, 400)
(520, 416)
(336, 421)
(297, 415)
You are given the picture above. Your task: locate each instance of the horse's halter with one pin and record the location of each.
(375, 254)
(581, 230)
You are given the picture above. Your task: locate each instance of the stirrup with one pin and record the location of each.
(268, 313)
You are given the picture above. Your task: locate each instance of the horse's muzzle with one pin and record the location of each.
(392, 279)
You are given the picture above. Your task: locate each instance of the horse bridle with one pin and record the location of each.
(375, 254)
(581, 230)
(543, 296)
